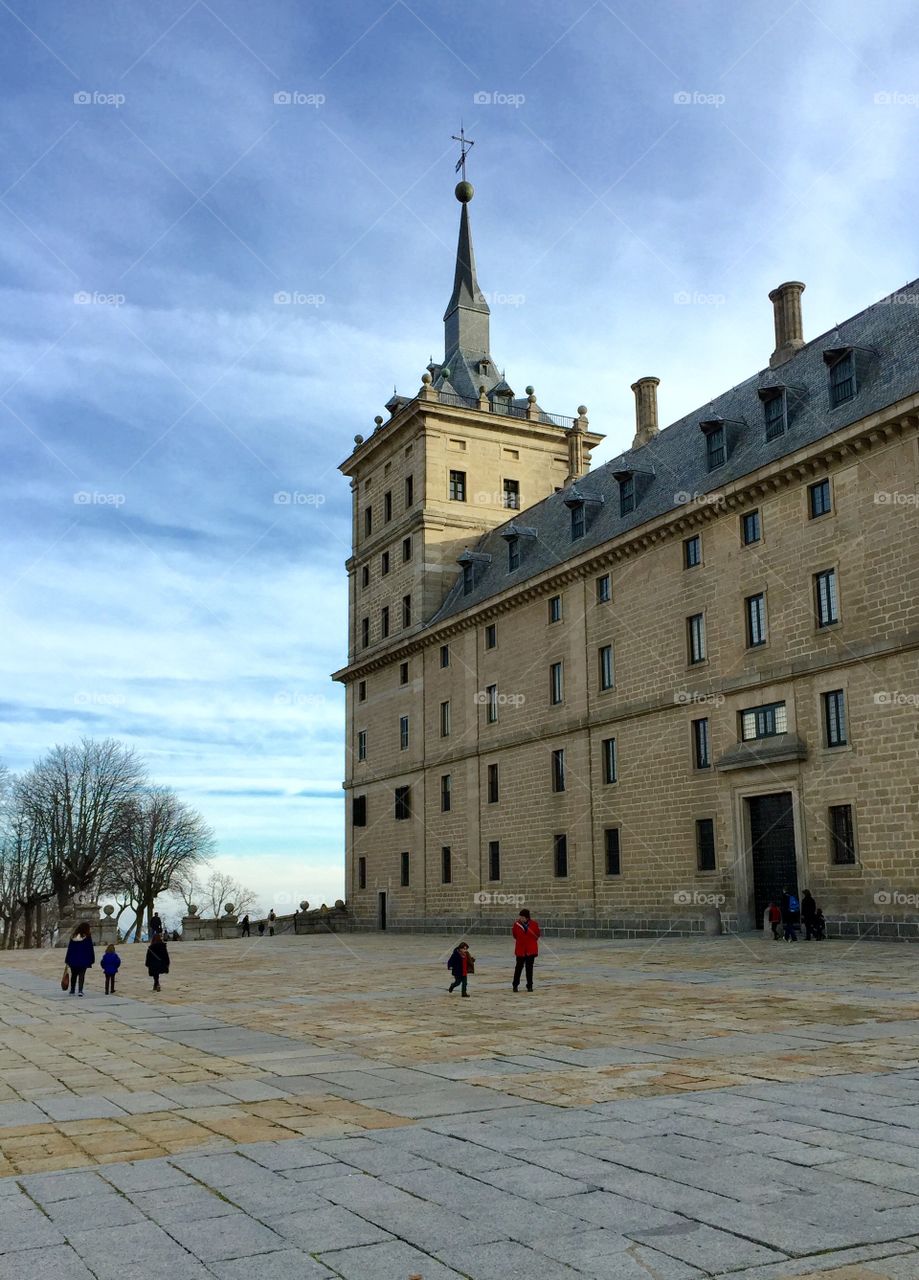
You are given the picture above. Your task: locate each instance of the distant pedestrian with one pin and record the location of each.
(774, 916)
(245, 926)
(156, 924)
(261, 928)
(790, 908)
(526, 933)
(80, 957)
(176, 936)
(271, 919)
(110, 963)
(808, 912)
(157, 960)
(819, 926)
(460, 964)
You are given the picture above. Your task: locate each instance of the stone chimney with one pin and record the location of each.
(789, 329)
(646, 427)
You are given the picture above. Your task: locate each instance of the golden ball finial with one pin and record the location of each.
(464, 191)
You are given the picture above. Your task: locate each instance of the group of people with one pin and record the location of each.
(789, 914)
(246, 927)
(81, 955)
(526, 933)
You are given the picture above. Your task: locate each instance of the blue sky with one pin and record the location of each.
(645, 173)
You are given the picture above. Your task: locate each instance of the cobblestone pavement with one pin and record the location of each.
(318, 1107)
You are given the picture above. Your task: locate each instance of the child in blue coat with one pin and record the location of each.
(111, 963)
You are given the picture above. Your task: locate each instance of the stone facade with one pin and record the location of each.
(501, 813)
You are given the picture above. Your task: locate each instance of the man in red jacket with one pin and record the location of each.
(526, 947)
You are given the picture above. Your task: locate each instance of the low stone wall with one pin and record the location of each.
(322, 919)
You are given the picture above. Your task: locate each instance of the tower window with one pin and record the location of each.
(512, 495)
(692, 552)
(362, 873)
(362, 744)
(457, 486)
(826, 598)
(494, 860)
(604, 589)
(403, 673)
(368, 521)
(403, 733)
(560, 856)
(834, 718)
(445, 719)
(491, 636)
(444, 655)
(387, 506)
(701, 744)
(555, 608)
(492, 784)
(750, 527)
(610, 762)
(365, 576)
(403, 804)
(491, 704)
(556, 684)
(362, 691)
(613, 859)
(384, 564)
(384, 621)
(755, 608)
(558, 769)
(409, 491)
(695, 629)
(359, 811)
(404, 861)
(406, 611)
(842, 835)
(446, 865)
(365, 632)
(605, 659)
(446, 789)
(406, 550)
(818, 499)
(705, 844)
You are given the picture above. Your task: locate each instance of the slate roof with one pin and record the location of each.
(886, 338)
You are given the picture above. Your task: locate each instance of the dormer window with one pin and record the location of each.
(775, 411)
(513, 554)
(469, 562)
(626, 495)
(578, 521)
(715, 446)
(843, 383)
(468, 578)
(577, 503)
(512, 535)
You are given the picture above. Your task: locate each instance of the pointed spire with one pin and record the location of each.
(466, 317)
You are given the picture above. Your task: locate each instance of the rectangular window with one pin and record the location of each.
(578, 521)
(555, 608)
(842, 835)
(705, 844)
(755, 611)
(403, 673)
(446, 785)
(406, 550)
(362, 691)
(701, 744)
(362, 744)
(834, 718)
(387, 506)
(384, 564)
(558, 769)
(774, 412)
(605, 657)
(626, 495)
(468, 577)
(695, 631)
(842, 379)
(610, 762)
(513, 554)
(604, 591)
(613, 859)
(384, 621)
(556, 684)
(445, 719)
(406, 611)
(444, 656)
(494, 860)
(764, 722)
(368, 521)
(692, 552)
(457, 486)
(404, 870)
(560, 851)
(359, 811)
(749, 527)
(512, 495)
(446, 865)
(403, 805)
(403, 733)
(492, 784)
(362, 873)
(365, 632)
(715, 448)
(819, 500)
(491, 704)
(365, 576)
(491, 635)
(826, 598)
(409, 491)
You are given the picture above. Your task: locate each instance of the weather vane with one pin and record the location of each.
(465, 145)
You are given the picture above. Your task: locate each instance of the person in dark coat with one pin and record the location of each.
(271, 919)
(790, 911)
(156, 924)
(157, 960)
(808, 915)
(80, 957)
(460, 965)
(244, 926)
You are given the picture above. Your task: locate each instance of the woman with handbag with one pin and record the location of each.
(80, 957)
(157, 960)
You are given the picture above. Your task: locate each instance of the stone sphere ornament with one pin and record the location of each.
(304, 906)
(229, 909)
(109, 910)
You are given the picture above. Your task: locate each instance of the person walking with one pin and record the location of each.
(808, 915)
(110, 964)
(774, 916)
(526, 933)
(245, 926)
(819, 926)
(789, 915)
(261, 928)
(80, 957)
(460, 964)
(271, 919)
(156, 924)
(157, 960)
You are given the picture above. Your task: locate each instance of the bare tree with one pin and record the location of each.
(188, 889)
(25, 880)
(221, 888)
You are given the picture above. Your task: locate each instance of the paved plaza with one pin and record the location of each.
(298, 1108)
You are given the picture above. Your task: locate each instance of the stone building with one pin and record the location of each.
(628, 696)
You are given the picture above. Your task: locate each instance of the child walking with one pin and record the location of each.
(461, 964)
(111, 963)
(775, 919)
